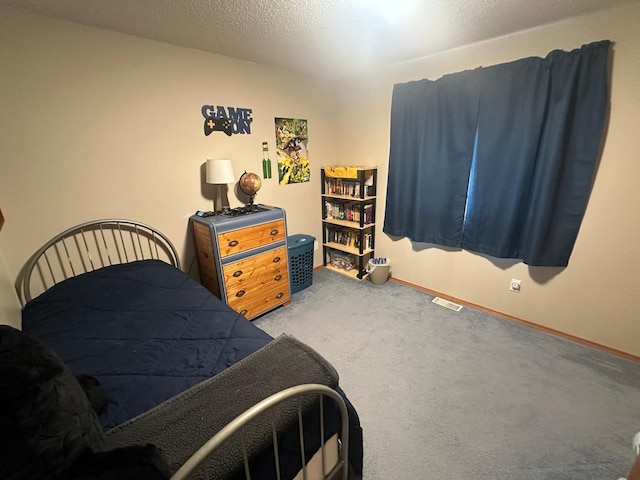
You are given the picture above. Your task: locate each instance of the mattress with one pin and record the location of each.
(145, 330)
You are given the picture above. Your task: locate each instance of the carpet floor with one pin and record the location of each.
(465, 395)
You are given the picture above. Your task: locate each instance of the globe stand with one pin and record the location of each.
(251, 207)
(249, 184)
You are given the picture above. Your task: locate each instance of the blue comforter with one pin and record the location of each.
(145, 330)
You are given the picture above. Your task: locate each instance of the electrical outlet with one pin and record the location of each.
(514, 286)
(315, 244)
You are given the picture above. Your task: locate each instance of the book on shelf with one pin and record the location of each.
(349, 238)
(351, 187)
(348, 211)
(348, 188)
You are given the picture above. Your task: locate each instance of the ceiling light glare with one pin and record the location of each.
(393, 11)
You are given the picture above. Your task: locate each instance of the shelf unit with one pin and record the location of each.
(348, 218)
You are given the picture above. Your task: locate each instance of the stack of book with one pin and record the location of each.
(348, 211)
(350, 238)
(336, 186)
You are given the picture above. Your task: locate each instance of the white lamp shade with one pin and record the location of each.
(220, 171)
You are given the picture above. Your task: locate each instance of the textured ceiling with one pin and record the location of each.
(324, 38)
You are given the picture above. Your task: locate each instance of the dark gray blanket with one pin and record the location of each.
(184, 423)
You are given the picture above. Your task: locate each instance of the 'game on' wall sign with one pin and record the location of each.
(226, 119)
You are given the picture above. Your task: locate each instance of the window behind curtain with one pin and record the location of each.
(499, 160)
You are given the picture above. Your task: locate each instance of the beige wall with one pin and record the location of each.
(596, 296)
(9, 304)
(97, 124)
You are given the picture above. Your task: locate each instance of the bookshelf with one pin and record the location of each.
(348, 218)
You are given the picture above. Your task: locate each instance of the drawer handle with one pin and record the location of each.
(237, 273)
(278, 278)
(276, 259)
(274, 231)
(233, 243)
(280, 295)
(240, 293)
(244, 312)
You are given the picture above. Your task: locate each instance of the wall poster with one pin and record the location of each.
(291, 146)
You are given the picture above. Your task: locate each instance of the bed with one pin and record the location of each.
(190, 383)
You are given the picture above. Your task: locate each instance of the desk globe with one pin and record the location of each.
(249, 184)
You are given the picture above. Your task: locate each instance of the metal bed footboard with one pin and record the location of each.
(338, 471)
(89, 246)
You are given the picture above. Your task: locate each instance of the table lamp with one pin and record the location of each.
(220, 172)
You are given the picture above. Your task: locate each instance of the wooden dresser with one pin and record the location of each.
(243, 258)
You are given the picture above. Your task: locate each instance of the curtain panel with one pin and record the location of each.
(499, 160)
(432, 137)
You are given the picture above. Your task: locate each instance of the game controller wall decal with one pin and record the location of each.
(230, 120)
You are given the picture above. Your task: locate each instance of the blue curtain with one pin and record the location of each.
(432, 136)
(535, 138)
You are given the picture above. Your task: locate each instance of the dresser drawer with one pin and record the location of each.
(261, 299)
(236, 241)
(251, 272)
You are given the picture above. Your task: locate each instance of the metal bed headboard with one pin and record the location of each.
(89, 246)
(338, 471)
